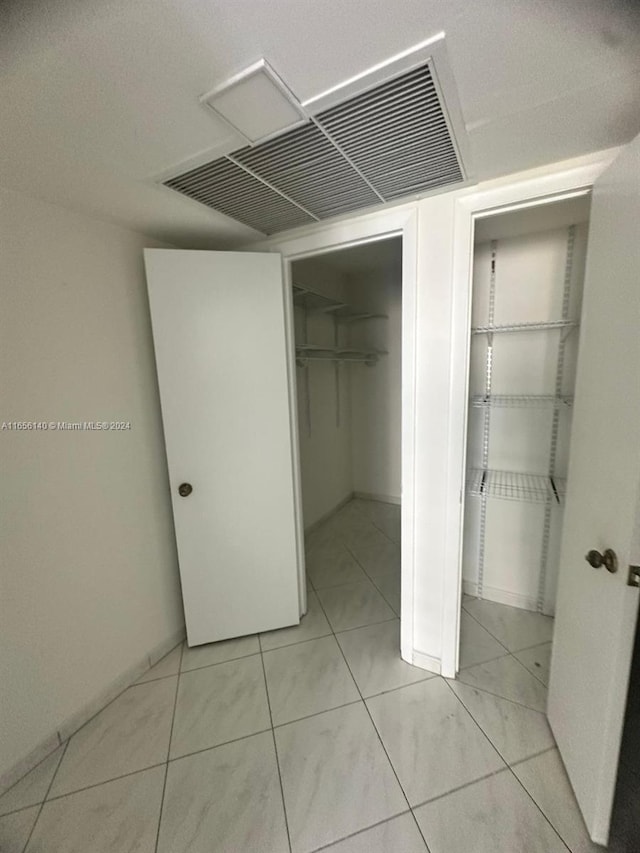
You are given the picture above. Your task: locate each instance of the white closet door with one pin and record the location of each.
(596, 611)
(221, 352)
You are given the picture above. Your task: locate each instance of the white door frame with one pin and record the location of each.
(401, 222)
(499, 199)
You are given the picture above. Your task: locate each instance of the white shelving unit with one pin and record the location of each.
(546, 487)
(307, 352)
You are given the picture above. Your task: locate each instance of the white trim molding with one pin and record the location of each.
(398, 221)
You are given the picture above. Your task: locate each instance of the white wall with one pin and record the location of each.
(89, 579)
(376, 392)
(325, 444)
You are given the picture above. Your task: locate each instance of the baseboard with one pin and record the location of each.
(329, 514)
(71, 725)
(385, 499)
(425, 661)
(500, 596)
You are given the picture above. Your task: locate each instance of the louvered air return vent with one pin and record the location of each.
(389, 141)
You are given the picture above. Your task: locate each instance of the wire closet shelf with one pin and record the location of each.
(515, 485)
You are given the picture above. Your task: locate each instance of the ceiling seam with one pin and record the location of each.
(271, 186)
(343, 153)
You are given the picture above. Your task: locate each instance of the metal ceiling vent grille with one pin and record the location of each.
(390, 141)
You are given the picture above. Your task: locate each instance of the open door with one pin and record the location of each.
(221, 348)
(596, 610)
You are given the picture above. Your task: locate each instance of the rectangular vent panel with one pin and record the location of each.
(308, 168)
(397, 135)
(228, 188)
(389, 141)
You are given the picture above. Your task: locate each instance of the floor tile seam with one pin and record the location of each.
(498, 696)
(459, 788)
(393, 769)
(368, 625)
(275, 746)
(360, 831)
(539, 808)
(534, 646)
(317, 714)
(338, 585)
(486, 629)
(155, 678)
(220, 662)
(428, 677)
(480, 729)
(384, 597)
(24, 775)
(537, 678)
(55, 797)
(296, 643)
(46, 796)
(534, 755)
(174, 758)
(166, 770)
(482, 662)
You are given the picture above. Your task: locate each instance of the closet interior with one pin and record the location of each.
(348, 345)
(528, 272)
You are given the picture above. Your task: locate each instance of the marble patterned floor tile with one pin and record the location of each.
(354, 605)
(508, 678)
(389, 587)
(225, 650)
(493, 815)
(398, 835)
(476, 644)
(432, 741)
(116, 817)
(307, 678)
(15, 829)
(515, 628)
(130, 734)
(336, 777)
(168, 665)
(545, 779)
(312, 626)
(376, 553)
(515, 731)
(32, 788)
(218, 704)
(537, 660)
(333, 565)
(373, 655)
(226, 799)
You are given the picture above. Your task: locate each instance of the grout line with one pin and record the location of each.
(166, 771)
(360, 832)
(497, 695)
(105, 782)
(297, 642)
(24, 776)
(220, 662)
(482, 662)
(275, 746)
(486, 629)
(316, 714)
(393, 769)
(462, 787)
(539, 809)
(535, 755)
(216, 745)
(55, 773)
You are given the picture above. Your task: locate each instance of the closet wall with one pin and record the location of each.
(349, 411)
(520, 403)
(376, 393)
(324, 414)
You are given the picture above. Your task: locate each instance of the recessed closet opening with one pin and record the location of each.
(528, 271)
(348, 346)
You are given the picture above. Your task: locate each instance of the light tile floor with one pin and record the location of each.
(318, 736)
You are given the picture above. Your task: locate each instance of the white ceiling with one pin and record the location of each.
(98, 97)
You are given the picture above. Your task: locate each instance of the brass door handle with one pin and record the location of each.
(185, 489)
(607, 559)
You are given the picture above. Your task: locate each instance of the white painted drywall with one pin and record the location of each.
(325, 441)
(89, 578)
(376, 392)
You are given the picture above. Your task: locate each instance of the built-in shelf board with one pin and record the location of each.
(515, 485)
(312, 352)
(318, 303)
(521, 401)
(524, 327)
